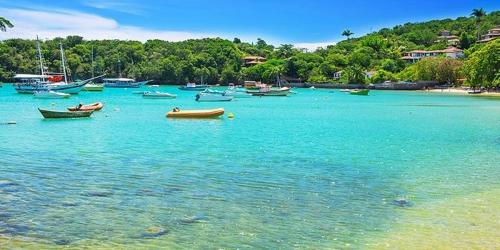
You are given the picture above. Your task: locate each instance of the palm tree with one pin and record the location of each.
(276, 71)
(478, 14)
(4, 24)
(347, 33)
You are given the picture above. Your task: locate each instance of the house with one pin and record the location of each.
(416, 55)
(451, 40)
(491, 35)
(253, 60)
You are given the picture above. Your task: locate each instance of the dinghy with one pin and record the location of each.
(64, 114)
(208, 97)
(89, 107)
(50, 95)
(359, 92)
(207, 113)
(157, 94)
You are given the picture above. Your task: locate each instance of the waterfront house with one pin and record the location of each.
(450, 39)
(253, 60)
(491, 35)
(416, 55)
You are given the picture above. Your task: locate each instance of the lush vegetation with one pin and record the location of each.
(220, 61)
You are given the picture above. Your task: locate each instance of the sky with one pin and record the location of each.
(304, 23)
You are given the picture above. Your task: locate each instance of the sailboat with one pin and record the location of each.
(28, 83)
(93, 86)
(269, 91)
(195, 87)
(122, 82)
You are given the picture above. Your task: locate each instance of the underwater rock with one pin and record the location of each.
(69, 204)
(7, 183)
(402, 202)
(62, 242)
(99, 193)
(5, 215)
(193, 219)
(154, 231)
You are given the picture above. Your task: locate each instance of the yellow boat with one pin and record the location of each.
(207, 113)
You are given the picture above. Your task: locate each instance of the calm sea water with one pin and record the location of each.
(319, 169)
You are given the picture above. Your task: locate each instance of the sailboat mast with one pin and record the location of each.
(92, 58)
(42, 72)
(63, 63)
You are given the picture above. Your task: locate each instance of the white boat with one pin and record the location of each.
(122, 83)
(209, 97)
(50, 95)
(194, 87)
(157, 94)
(93, 87)
(237, 94)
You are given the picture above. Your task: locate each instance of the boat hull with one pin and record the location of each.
(90, 107)
(93, 87)
(202, 97)
(159, 95)
(359, 92)
(211, 113)
(64, 114)
(197, 88)
(125, 84)
(70, 88)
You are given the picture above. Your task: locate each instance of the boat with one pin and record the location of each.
(474, 91)
(212, 97)
(50, 95)
(236, 94)
(89, 107)
(267, 91)
(359, 92)
(93, 87)
(207, 113)
(345, 90)
(29, 83)
(64, 114)
(154, 86)
(157, 94)
(123, 83)
(253, 85)
(194, 87)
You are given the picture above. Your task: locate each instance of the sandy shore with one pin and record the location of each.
(459, 91)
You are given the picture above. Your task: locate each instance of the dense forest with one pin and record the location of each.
(221, 61)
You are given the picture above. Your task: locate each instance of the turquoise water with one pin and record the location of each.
(319, 169)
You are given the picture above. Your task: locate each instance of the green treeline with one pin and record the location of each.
(221, 61)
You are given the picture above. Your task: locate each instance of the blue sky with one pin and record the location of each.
(306, 22)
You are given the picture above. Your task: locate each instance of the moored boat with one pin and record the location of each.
(267, 91)
(122, 83)
(207, 113)
(157, 94)
(211, 97)
(93, 87)
(50, 95)
(64, 114)
(359, 92)
(237, 94)
(89, 107)
(194, 87)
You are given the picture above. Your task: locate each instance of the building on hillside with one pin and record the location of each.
(491, 35)
(451, 40)
(416, 55)
(253, 60)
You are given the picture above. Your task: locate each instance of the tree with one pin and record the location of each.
(354, 74)
(478, 14)
(236, 40)
(482, 67)
(4, 24)
(466, 40)
(347, 33)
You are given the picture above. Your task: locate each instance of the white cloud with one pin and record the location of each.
(61, 23)
(116, 5)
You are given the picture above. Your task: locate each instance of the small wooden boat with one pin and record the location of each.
(359, 92)
(50, 95)
(89, 107)
(271, 92)
(209, 97)
(345, 90)
(93, 87)
(207, 113)
(157, 94)
(64, 114)
(474, 92)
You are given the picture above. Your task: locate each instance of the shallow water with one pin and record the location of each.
(314, 170)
